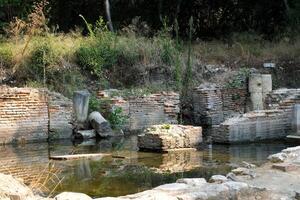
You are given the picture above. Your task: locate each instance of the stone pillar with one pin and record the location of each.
(255, 89)
(259, 86)
(296, 118)
(81, 107)
(266, 84)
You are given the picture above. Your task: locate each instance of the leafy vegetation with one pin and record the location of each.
(117, 118)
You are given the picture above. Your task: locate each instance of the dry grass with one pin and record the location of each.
(47, 181)
(44, 183)
(247, 51)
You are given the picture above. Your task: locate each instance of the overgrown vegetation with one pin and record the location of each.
(35, 55)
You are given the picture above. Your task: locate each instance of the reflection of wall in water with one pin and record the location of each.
(177, 161)
(249, 152)
(26, 162)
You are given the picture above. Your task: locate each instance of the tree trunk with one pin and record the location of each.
(107, 9)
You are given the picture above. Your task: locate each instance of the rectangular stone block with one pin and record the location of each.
(170, 137)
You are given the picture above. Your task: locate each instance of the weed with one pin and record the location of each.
(240, 80)
(166, 126)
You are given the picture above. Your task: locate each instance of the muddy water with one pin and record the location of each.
(127, 170)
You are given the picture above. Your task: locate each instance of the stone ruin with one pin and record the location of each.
(28, 114)
(274, 114)
(169, 137)
(144, 111)
(212, 104)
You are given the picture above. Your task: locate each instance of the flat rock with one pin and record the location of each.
(72, 196)
(286, 167)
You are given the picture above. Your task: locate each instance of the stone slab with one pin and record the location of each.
(286, 167)
(170, 137)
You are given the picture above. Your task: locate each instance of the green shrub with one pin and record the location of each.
(96, 55)
(117, 118)
(94, 104)
(42, 56)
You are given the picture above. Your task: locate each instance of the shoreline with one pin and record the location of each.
(245, 182)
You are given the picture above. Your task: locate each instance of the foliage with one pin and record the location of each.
(117, 118)
(98, 53)
(166, 126)
(6, 56)
(240, 80)
(212, 19)
(94, 104)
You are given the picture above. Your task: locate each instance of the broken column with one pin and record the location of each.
(81, 108)
(255, 89)
(259, 86)
(100, 124)
(296, 118)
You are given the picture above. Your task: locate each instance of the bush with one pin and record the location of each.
(117, 118)
(97, 54)
(6, 56)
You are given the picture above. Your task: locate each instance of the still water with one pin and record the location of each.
(127, 170)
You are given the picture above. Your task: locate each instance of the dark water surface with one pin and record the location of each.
(127, 170)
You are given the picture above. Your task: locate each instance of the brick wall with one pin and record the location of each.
(147, 110)
(214, 105)
(24, 114)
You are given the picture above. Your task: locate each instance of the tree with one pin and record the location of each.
(108, 15)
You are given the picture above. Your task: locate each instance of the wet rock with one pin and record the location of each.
(278, 157)
(72, 196)
(100, 124)
(192, 181)
(218, 179)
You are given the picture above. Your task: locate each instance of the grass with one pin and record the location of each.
(65, 62)
(251, 49)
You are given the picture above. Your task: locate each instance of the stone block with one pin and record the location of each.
(170, 137)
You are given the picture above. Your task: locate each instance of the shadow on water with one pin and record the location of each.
(127, 170)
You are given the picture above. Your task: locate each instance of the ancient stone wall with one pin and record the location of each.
(147, 110)
(253, 126)
(27, 114)
(23, 115)
(60, 113)
(214, 105)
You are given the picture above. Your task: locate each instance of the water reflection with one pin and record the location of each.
(127, 170)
